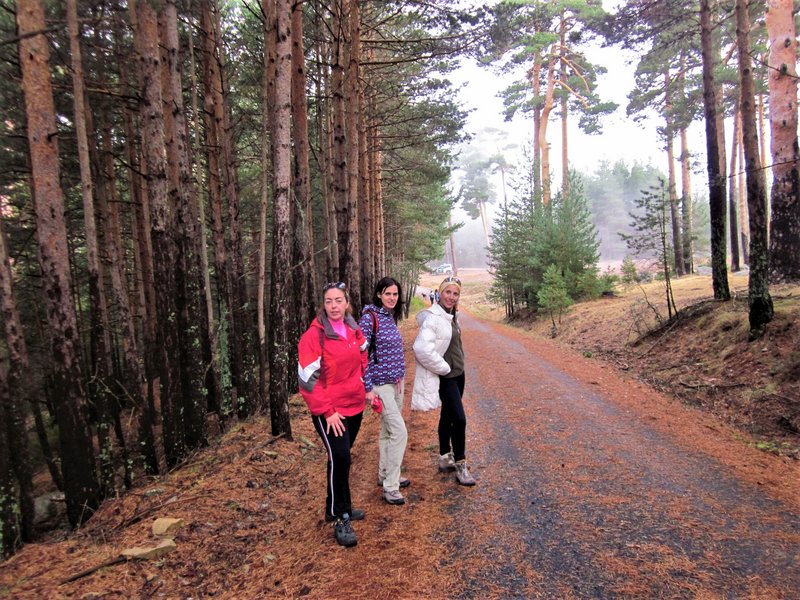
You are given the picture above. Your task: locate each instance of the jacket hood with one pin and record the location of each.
(436, 310)
(321, 321)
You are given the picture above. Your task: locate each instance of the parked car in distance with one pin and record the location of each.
(444, 269)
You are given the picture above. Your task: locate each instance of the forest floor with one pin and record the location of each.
(560, 514)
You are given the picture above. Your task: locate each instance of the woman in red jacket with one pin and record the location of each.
(332, 359)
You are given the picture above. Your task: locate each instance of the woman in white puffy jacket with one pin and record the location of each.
(439, 377)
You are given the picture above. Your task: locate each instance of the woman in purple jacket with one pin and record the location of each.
(384, 378)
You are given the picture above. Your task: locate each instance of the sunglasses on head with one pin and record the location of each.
(452, 279)
(339, 285)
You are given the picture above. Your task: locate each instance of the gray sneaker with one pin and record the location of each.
(462, 473)
(343, 532)
(446, 462)
(394, 497)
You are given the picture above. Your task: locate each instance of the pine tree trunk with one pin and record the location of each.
(243, 343)
(214, 159)
(686, 203)
(101, 376)
(189, 277)
(677, 244)
(268, 8)
(537, 125)
(759, 298)
(16, 473)
(211, 348)
(733, 221)
(564, 113)
(353, 123)
(134, 380)
(280, 293)
(716, 180)
(544, 147)
(241, 349)
(742, 198)
(365, 214)
(784, 239)
(165, 255)
(339, 132)
(82, 491)
(304, 232)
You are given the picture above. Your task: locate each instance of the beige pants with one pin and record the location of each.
(393, 435)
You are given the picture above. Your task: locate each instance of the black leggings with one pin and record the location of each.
(338, 448)
(452, 420)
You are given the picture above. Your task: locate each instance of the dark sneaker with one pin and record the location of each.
(355, 515)
(394, 497)
(404, 483)
(343, 532)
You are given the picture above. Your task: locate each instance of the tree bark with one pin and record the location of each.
(760, 301)
(547, 108)
(716, 182)
(16, 473)
(339, 132)
(222, 268)
(784, 239)
(744, 226)
(733, 221)
(687, 207)
(304, 232)
(677, 245)
(564, 113)
(165, 256)
(241, 347)
(134, 379)
(188, 274)
(280, 291)
(268, 9)
(102, 370)
(352, 267)
(143, 302)
(81, 488)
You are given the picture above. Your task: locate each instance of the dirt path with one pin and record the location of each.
(592, 486)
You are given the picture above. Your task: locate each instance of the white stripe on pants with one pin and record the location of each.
(393, 435)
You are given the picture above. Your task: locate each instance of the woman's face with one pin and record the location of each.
(449, 297)
(335, 304)
(389, 297)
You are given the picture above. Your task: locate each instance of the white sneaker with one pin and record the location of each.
(394, 497)
(447, 462)
(463, 475)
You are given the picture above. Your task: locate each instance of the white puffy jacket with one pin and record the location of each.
(433, 339)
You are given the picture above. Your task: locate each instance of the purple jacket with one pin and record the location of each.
(387, 363)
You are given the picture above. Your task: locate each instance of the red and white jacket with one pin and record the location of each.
(331, 369)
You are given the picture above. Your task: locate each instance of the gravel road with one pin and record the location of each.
(592, 486)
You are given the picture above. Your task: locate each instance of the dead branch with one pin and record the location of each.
(89, 571)
(141, 515)
(695, 386)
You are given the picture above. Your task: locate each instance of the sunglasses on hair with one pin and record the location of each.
(339, 285)
(452, 279)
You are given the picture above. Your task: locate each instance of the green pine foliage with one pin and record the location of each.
(552, 295)
(650, 239)
(531, 238)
